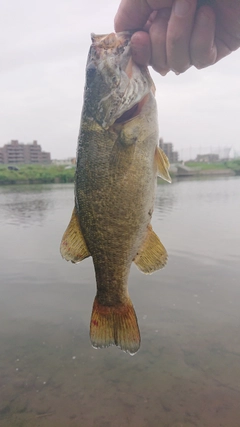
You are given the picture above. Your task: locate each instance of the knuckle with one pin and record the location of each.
(181, 68)
(233, 44)
(161, 70)
(203, 60)
(199, 65)
(159, 66)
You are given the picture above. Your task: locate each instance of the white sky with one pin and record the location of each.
(43, 53)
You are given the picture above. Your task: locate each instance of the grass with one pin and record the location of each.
(31, 174)
(231, 164)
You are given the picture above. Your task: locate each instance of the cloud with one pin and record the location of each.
(44, 47)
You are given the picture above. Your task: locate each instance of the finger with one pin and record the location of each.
(133, 14)
(232, 42)
(222, 49)
(203, 50)
(228, 22)
(179, 33)
(158, 32)
(150, 21)
(141, 48)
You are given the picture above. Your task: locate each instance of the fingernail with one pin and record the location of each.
(181, 7)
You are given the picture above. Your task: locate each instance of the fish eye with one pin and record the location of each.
(91, 73)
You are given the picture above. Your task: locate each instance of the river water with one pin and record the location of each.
(187, 372)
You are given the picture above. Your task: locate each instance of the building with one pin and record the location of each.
(167, 147)
(70, 161)
(16, 152)
(207, 158)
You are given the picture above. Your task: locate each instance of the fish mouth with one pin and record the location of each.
(132, 112)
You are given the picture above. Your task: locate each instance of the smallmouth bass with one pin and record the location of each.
(118, 160)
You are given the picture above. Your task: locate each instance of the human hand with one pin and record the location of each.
(175, 34)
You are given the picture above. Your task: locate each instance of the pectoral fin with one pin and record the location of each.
(73, 247)
(152, 255)
(162, 164)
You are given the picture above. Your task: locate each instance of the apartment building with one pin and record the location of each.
(16, 152)
(167, 147)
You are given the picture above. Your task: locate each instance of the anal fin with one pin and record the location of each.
(73, 247)
(152, 255)
(115, 325)
(162, 164)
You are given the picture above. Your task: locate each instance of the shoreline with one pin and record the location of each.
(208, 172)
(52, 174)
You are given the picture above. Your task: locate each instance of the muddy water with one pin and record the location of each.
(187, 372)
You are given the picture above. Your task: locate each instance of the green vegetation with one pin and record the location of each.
(44, 174)
(33, 174)
(234, 165)
(231, 164)
(206, 166)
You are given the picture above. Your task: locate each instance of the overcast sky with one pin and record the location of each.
(43, 53)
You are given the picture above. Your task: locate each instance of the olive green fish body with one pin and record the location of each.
(117, 166)
(115, 186)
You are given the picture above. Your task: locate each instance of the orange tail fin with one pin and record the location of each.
(115, 325)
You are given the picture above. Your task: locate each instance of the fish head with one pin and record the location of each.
(115, 85)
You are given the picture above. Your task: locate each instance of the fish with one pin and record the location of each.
(118, 161)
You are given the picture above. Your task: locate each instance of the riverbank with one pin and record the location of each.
(233, 165)
(188, 169)
(48, 174)
(36, 174)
